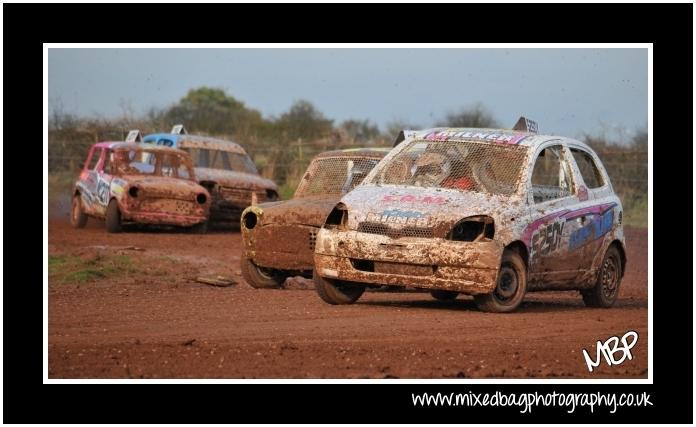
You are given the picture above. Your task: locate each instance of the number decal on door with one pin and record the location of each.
(102, 191)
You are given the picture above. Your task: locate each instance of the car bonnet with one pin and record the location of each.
(400, 206)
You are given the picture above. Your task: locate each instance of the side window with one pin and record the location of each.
(107, 162)
(357, 171)
(173, 166)
(96, 154)
(183, 172)
(588, 169)
(551, 177)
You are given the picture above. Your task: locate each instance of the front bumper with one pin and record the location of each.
(163, 218)
(430, 263)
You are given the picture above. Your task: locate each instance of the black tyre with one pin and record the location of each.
(260, 277)
(78, 219)
(444, 295)
(113, 217)
(337, 292)
(606, 290)
(511, 286)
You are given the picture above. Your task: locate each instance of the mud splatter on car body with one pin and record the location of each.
(279, 236)
(484, 212)
(127, 182)
(225, 170)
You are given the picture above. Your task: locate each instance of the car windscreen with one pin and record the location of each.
(334, 175)
(218, 159)
(463, 165)
(146, 162)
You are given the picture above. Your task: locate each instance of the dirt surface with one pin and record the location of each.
(128, 306)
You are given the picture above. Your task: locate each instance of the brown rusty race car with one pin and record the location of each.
(279, 236)
(125, 182)
(224, 169)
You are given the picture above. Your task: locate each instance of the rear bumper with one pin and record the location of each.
(229, 208)
(225, 211)
(280, 246)
(430, 263)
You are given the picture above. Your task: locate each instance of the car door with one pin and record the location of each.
(103, 182)
(552, 198)
(595, 213)
(88, 181)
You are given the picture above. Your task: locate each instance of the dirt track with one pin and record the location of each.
(147, 318)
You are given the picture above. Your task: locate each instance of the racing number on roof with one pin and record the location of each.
(178, 130)
(165, 142)
(134, 136)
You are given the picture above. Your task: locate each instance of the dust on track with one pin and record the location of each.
(155, 321)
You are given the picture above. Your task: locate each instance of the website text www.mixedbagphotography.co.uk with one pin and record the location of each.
(526, 401)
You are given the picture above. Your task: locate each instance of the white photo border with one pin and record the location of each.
(648, 46)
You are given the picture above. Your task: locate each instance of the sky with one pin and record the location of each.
(567, 91)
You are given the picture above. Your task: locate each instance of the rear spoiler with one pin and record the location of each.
(526, 125)
(134, 136)
(179, 130)
(403, 135)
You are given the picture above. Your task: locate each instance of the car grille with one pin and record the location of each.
(404, 269)
(394, 233)
(312, 240)
(239, 195)
(173, 206)
(393, 267)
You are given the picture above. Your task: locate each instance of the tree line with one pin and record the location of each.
(282, 146)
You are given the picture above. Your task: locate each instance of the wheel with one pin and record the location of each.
(113, 217)
(337, 292)
(444, 295)
(260, 277)
(200, 228)
(78, 219)
(606, 290)
(510, 286)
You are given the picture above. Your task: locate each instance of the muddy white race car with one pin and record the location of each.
(485, 212)
(279, 236)
(125, 182)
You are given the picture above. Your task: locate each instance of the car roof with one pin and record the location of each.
(198, 141)
(491, 135)
(375, 152)
(120, 145)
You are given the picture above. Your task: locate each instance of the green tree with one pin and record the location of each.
(361, 131)
(475, 116)
(303, 120)
(212, 111)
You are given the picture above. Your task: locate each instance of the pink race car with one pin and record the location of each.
(125, 182)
